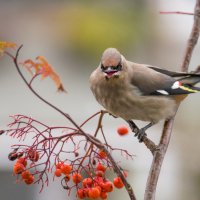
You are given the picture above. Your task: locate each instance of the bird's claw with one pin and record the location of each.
(140, 134)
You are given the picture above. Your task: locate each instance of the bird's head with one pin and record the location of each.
(111, 63)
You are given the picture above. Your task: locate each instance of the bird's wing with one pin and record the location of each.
(168, 72)
(185, 78)
(155, 81)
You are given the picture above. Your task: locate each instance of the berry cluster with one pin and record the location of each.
(86, 174)
(94, 186)
(20, 167)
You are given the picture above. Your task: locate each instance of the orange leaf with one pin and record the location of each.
(41, 66)
(4, 45)
(31, 65)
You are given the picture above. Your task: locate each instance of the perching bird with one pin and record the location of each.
(137, 91)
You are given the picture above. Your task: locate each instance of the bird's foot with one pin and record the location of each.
(141, 134)
(112, 115)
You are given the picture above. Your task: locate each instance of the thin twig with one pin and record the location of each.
(176, 12)
(168, 125)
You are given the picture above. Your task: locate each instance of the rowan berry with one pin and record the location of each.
(108, 186)
(93, 193)
(87, 182)
(100, 167)
(25, 174)
(81, 193)
(23, 161)
(18, 168)
(122, 130)
(77, 178)
(103, 195)
(66, 169)
(59, 165)
(58, 172)
(30, 180)
(118, 182)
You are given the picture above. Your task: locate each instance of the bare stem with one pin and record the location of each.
(168, 125)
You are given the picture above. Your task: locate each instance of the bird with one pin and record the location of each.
(134, 91)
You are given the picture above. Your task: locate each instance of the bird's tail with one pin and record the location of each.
(190, 79)
(185, 82)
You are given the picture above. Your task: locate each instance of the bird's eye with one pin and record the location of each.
(103, 68)
(118, 67)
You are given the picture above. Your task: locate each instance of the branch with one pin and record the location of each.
(92, 139)
(149, 143)
(158, 158)
(168, 125)
(192, 41)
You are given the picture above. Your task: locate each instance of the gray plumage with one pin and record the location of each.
(127, 89)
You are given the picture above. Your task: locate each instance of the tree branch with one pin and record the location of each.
(168, 125)
(192, 41)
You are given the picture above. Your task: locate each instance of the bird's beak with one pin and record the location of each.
(109, 71)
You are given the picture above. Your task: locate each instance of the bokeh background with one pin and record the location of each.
(72, 35)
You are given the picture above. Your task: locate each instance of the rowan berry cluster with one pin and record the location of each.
(21, 165)
(93, 186)
(84, 173)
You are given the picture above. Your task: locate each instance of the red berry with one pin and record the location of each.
(81, 193)
(98, 179)
(100, 167)
(118, 183)
(29, 180)
(122, 130)
(87, 182)
(94, 193)
(66, 169)
(58, 172)
(102, 154)
(59, 165)
(18, 168)
(25, 174)
(76, 177)
(108, 186)
(23, 161)
(103, 195)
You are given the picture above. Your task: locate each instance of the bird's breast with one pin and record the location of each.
(125, 101)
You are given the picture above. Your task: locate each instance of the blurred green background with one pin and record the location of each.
(72, 36)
